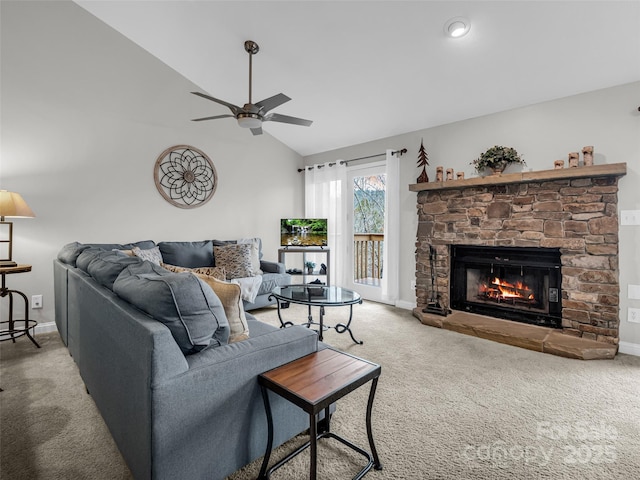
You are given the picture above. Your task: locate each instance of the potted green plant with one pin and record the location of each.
(496, 159)
(310, 266)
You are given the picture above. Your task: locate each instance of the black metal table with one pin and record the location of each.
(14, 331)
(317, 296)
(313, 383)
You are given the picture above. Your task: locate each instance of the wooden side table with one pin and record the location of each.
(14, 331)
(313, 383)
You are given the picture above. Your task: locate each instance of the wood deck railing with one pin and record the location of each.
(367, 255)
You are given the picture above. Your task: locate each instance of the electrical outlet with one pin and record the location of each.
(633, 315)
(413, 284)
(633, 292)
(36, 301)
(630, 217)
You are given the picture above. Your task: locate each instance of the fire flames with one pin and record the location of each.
(499, 289)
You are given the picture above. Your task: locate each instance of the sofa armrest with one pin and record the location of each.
(272, 267)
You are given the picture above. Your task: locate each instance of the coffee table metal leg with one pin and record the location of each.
(267, 454)
(282, 323)
(320, 330)
(341, 328)
(376, 460)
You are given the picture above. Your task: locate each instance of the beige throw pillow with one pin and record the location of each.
(235, 259)
(229, 295)
(216, 272)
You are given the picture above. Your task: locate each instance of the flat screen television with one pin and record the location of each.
(303, 232)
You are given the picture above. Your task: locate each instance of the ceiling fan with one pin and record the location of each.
(251, 115)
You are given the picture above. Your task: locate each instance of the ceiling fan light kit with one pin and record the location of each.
(457, 27)
(252, 115)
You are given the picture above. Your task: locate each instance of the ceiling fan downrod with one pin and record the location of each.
(251, 48)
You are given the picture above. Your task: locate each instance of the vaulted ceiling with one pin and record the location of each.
(364, 70)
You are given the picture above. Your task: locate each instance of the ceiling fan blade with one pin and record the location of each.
(276, 117)
(257, 131)
(212, 118)
(234, 108)
(272, 102)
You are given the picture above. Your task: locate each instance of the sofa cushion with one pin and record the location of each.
(236, 260)
(188, 254)
(229, 295)
(152, 255)
(86, 257)
(70, 252)
(143, 244)
(106, 266)
(183, 302)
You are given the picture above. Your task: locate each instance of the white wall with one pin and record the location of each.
(607, 119)
(85, 113)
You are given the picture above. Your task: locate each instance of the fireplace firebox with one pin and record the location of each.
(514, 283)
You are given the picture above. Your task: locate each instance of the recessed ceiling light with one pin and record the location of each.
(457, 27)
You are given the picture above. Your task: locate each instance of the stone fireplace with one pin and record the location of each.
(570, 213)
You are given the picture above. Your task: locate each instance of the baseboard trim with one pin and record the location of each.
(629, 348)
(405, 305)
(46, 327)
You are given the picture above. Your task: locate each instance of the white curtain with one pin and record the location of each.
(325, 197)
(391, 252)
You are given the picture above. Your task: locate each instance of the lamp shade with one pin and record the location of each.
(13, 205)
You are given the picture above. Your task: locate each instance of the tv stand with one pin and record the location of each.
(307, 277)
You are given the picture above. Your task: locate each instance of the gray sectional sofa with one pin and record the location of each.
(178, 400)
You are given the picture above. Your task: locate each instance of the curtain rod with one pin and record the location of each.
(343, 162)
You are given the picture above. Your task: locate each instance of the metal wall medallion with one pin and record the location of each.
(185, 176)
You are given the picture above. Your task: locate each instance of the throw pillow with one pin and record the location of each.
(70, 253)
(106, 267)
(188, 254)
(255, 253)
(235, 259)
(229, 295)
(152, 255)
(191, 311)
(216, 272)
(258, 240)
(86, 257)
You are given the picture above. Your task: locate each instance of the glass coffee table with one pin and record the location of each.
(317, 296)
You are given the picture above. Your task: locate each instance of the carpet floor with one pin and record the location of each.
(448, 406)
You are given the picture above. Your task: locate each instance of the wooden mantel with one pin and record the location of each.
(610, 170)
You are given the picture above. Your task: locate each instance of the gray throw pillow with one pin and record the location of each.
(187, 254)
(70, 252)
(86, 257)
(106, 266)
(188, 307)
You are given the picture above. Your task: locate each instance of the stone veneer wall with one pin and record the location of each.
(579, 216)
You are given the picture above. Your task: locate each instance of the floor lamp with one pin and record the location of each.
(12, 205)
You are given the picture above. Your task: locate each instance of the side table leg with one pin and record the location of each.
(376, 461)
(313, 441)
(267, 454)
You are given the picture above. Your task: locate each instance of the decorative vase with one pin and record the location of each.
(498, 168)
(310, 270)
